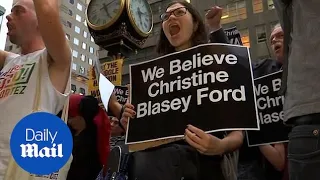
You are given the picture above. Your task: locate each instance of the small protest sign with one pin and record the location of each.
(113, 71)
(93, 85)
(270, 111)
(209, 86)
(234, 36)
(122, 94)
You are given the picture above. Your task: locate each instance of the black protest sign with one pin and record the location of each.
(234, 36)
(209, 86)
(121, 93)
(270, 111)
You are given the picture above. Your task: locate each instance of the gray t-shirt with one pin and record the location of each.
(302, 95)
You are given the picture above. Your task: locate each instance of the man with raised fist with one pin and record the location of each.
(37, 79)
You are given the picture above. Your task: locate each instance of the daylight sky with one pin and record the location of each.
(7, 4)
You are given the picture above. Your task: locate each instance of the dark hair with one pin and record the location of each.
(198, 37)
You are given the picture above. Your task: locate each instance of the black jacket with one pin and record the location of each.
(265, 66)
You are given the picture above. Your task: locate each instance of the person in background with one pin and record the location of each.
(273, 164)
(183, 28)
(90, 127)
(43, 64)
(276, 165)
(117, 132)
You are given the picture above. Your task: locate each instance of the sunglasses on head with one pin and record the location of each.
(176, 12)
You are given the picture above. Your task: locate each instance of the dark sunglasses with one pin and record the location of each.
(176, 12)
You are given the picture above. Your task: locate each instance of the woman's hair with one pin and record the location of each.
(198, 37)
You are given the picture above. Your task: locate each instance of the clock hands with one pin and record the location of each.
(105, 8)
(139, 14)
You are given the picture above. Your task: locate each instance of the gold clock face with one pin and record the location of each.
(101, 14)
(140, 16)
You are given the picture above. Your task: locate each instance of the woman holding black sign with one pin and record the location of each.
(199, 157)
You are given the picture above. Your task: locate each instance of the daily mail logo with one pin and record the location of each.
(33, 150)
(41, 144)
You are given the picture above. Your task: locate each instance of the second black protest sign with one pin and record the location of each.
(209, 86)
(234, 36)
(121, 93)
(270, 107)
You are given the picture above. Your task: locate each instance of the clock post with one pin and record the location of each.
(120, 26)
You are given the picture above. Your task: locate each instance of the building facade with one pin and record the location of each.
(84, 50)
(5, 8)
(254, 19)
(2, 11)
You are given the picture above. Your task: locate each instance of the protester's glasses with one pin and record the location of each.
(176, 12)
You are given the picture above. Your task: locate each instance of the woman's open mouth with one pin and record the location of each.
(174, 29)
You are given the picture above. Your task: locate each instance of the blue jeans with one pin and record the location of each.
(304, 152)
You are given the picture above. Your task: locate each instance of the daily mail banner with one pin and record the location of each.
(209, 86)
(270, 110)
(234, 36)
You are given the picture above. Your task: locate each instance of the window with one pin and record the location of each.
(70, 12)
(78, 18)
(74, 66)
(77, 29)
(69, 24)
(82, 70)
(84, 46)
(67, 36)
(85, 34)
(85, 23)
(92, 39)
(234, 12)
(90, 61)
(82, 91)
(83, 57)
(257, 6)
(245, 37)
(75, 53)
(270, 4)
(91, 50)
(76, 41)
(71, 1)
(73, 88)
(79, 6)
(261, 33)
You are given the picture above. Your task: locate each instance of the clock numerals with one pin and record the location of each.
(145, 25)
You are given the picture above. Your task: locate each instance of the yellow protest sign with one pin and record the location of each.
(113, 71)
(93, 85)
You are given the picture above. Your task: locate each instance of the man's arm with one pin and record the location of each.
(3, 56)
(57, 46)
(114, 106)
(275, 155)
